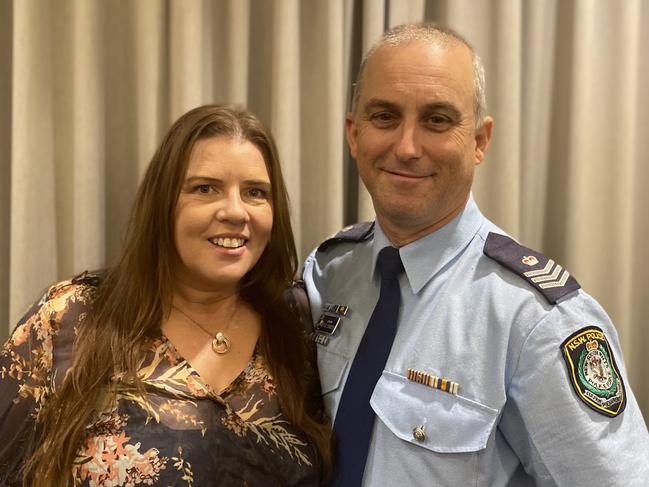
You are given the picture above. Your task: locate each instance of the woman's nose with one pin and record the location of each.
(232, 209)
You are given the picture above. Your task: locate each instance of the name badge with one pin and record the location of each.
(329, 321)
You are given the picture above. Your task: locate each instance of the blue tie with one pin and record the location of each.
(355, 416)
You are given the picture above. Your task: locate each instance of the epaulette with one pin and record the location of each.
(91, 278)
(544, 274)
(353, 233)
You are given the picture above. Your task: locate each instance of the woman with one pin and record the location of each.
(183, 364)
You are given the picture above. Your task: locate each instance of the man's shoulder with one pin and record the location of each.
(540, 272)
(358, 232)
(341, 252)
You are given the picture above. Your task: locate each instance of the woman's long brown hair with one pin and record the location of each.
(135, 296)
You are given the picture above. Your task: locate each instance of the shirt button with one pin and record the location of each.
(418, 433)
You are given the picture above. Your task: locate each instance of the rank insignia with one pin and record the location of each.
(593, 372)
(529, 260)
(544, 274)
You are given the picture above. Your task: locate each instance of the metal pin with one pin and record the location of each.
(418, 433)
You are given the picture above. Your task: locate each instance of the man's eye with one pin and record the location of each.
(383, 118)
(439, 122)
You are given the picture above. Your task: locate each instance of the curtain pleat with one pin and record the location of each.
(6, 55)
(88, 88)
(34, 201)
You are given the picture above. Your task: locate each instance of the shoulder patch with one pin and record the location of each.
(544, 274)
(593, 371)
(353, 233)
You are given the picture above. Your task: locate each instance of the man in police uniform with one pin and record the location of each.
(502, 371)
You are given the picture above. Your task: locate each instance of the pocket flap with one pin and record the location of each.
(331, 367)
(452, 423)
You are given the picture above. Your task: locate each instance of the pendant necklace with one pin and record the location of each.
(221, 343)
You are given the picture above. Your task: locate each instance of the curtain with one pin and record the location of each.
(88, 87)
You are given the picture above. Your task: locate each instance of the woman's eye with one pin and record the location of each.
(257, 193)
(203, 189)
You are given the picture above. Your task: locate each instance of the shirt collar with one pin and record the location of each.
(425, 257)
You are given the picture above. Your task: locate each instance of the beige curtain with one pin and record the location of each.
(87, 88)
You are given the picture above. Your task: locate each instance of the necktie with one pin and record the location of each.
(355, 416)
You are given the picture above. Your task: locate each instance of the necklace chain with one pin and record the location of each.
(221, 343)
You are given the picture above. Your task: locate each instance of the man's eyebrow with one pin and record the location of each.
(444, 106)
(374, 103)
(378, 103)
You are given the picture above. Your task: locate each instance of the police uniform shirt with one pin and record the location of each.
(476, 390)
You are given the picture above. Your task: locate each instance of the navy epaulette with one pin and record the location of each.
(91, 278)
(353, 233)
(544, 274)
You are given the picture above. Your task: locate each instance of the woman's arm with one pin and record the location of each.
(25, 378)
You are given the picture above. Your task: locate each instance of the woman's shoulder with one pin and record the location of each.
(68, 301)
(61, 306)
(78, 288)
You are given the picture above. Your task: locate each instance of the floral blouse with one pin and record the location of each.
(181, 433)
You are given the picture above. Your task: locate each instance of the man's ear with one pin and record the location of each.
(482, 139)
(351, 131)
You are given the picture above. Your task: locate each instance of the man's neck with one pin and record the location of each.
(401, 235)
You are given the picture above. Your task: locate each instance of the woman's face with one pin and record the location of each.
(224, 214)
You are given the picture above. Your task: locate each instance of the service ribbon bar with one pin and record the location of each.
(433, 381)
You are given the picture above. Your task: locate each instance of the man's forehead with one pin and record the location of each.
(427, 56)
(419, 70)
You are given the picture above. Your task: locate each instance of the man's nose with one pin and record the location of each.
(408, 144)
(232, 209)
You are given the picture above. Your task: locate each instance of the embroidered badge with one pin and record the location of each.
(593, 372)
(529, 260)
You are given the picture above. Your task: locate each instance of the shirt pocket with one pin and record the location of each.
(452, 423)
(331, 366)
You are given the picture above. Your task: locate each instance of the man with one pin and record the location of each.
(463, 358)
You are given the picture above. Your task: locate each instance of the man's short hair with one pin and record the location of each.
(434, 34)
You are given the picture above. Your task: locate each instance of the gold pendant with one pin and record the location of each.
(220, 343)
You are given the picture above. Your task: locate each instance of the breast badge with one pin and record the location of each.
(593, 372)
(328, 322)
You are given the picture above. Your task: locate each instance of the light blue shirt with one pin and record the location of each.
(515, 419)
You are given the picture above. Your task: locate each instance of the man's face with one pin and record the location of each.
(413, 136)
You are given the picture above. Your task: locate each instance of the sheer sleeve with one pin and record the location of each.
(297, 298)
(32, 363)
(25, 376)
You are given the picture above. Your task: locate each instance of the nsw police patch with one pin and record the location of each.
(593, 372)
